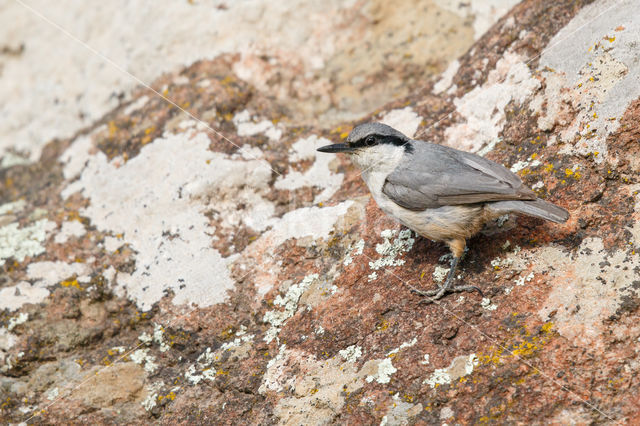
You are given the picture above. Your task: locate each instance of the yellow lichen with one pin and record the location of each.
(71, 283)
(227, 80)
(112, 128)
(227, 333)
(382, 325)
(526, 347)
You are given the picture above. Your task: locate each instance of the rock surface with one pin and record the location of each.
(199, 262)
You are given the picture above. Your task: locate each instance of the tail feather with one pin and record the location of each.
(537, 208)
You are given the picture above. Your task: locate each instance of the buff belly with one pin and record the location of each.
(443, 223)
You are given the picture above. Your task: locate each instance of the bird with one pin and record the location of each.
(439, 192)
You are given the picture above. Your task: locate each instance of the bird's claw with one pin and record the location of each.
(461, 288)
(423, 293)
(431, 296)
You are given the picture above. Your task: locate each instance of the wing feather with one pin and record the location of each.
(433, 176)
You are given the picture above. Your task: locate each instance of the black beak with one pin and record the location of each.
(337, 147)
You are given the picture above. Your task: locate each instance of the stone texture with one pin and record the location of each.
(167, 272)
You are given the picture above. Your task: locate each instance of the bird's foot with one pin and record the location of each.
(429, 293)
(432, 296)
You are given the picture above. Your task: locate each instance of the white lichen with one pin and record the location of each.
(499, 263)
(487, 305)
(141, 356)
(483, 108)
(12, 207)
(172, 246)
(488, 147)
(404, 120)
(21, 318)
(15, 296)
(404, 345)
(145, 338)
(136, 105)
(532, 162)
(19, 243)
(354, 250)
(318, 175)
(150, 401)
(52, 393)
(440, 273)
(290, 304)
(385, 370)
(247, 126)
(158, 337)
(272, 375)
(521, 280)
(69, 229)
(538, 185)
(203, 368)
(446, 413)
(10, 159)
(238, 341)
(390, 250)
(118, 349)
(460, 366)
(446, 78)
(351, 353)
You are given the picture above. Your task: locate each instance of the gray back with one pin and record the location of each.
(433, 176)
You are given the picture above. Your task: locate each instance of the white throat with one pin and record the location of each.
(376, 160)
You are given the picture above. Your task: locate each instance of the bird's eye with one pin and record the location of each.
(370, 140)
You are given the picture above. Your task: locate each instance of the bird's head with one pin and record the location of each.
(372, 144)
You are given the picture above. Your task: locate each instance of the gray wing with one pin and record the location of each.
(434, 176)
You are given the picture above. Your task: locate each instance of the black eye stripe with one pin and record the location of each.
(364, 142)
(390, 140)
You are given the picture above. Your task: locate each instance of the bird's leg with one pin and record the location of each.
(457, 249)
(451, 275)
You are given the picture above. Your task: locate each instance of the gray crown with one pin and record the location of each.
(367, 129)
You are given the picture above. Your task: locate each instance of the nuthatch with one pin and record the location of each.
(438, 192)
